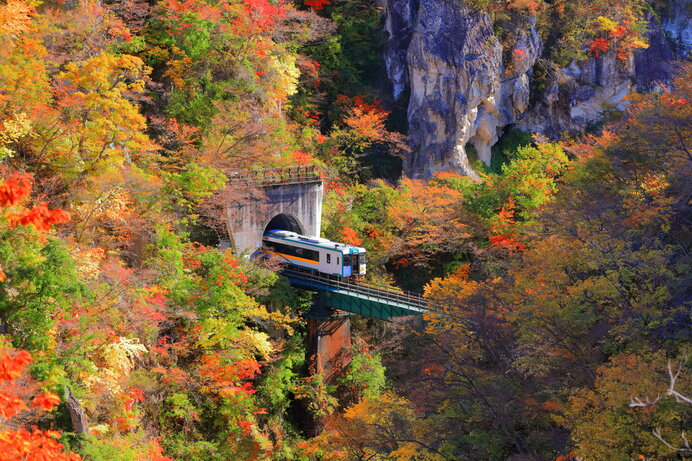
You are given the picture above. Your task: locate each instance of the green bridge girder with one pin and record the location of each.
(356, 298)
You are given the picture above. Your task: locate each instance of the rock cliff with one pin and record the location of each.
(465, 90)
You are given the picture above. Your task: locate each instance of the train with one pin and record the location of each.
(315, 253)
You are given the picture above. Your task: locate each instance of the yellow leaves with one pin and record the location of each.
(389, 423)
(12, 130)
(605, 426)
(88, 262)
(107, 73)
(604, 24)
(638, 43)
(283, 74)
(103, 128)
(115, 361)
(120, 356)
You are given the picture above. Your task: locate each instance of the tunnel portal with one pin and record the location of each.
(284, 222)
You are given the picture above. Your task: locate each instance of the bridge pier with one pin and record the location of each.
(329, 345)
(329, 339)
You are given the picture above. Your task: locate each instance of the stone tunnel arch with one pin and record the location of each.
(284, 222)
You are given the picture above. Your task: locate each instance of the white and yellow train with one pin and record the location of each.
(315, 253)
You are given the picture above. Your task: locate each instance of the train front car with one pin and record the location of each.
(315, 253)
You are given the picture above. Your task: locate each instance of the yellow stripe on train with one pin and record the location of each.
(293, 257)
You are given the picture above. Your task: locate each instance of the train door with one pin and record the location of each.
(347, 266)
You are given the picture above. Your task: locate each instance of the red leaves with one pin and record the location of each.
(12, 190)
(599, 46)
(11, 193)
(41, 217)
(317, 4)
(11, 366)
(21, 444)
(502, 230)
(45, 401)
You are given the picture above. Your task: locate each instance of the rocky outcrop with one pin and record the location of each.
(460, 92)
(452, 64)
(580, 94)
(464, 92)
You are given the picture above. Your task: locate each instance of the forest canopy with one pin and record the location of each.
(129, 331)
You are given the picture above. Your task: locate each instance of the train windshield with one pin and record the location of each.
(362, 258)
(347, 260)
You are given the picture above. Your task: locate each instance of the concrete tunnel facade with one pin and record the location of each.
(294, 207)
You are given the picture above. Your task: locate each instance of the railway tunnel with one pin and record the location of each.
(284, 222)
(293, 206)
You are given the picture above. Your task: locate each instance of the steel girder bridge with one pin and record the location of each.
(355, 297)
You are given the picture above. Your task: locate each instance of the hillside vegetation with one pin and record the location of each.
(128, 333)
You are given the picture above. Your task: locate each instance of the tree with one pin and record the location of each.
(18, 444)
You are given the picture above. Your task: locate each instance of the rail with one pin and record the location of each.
(277, 176)
(376, 292)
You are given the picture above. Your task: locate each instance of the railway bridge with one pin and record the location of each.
(291, 199)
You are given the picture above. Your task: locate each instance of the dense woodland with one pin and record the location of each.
(565, 269)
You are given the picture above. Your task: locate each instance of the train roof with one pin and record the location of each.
(314, 241)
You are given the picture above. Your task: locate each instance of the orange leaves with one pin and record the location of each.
(302, 158)
(15, 18)
(530, 6)
(35, 445)
(10, 405)
(350, 236)
(225, 377)
(367, 124)
(11, 365)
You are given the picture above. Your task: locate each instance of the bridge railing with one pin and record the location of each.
(376, 292)
(278, 176)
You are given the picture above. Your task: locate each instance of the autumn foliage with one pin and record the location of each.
(558, 280)
(25, 444)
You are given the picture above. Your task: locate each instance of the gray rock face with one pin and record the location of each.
(677, 23)
(453, 64)
(399, 16)
(653, 65)
(579, 94)
(462, 91)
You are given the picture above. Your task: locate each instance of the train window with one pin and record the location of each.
(362, 258)
(294, 251)
(337, 260)
(347, 260)
(329, 258)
